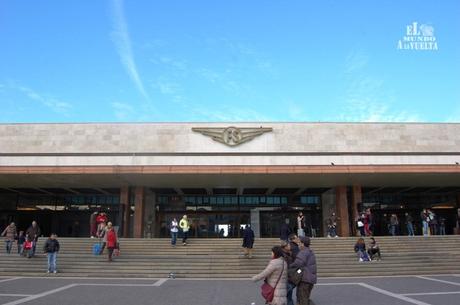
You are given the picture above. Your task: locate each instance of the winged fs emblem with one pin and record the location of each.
(232, 136)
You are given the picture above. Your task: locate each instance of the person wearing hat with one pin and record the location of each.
(306, 261)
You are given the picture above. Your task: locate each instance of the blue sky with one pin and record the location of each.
(173, 61)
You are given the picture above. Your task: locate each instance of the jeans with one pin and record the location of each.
(332, 231)
(51, 261)
(426, 232)
(393, 230)
(173, 238)
(290, 292)
(20, 249)
(34, 246)
(9, 245)
(300, 232)
(410, 229)
(442, 230)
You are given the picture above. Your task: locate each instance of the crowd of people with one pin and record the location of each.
(26, 243)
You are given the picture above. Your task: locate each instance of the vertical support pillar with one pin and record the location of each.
(328, 206)
(255, 222)
(139, 204)
(125, 207)
(341, 203)
(149, 215)
(357, 197)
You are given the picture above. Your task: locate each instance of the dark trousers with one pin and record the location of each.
(34, 246)
(102, 248)
(110, 250)
(373, 251)
(290, 290)
(303, 293)
(184, 237)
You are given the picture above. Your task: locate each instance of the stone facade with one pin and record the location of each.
(177, 144)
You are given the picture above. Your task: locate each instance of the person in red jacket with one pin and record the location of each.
(111, 239)
(101, 218)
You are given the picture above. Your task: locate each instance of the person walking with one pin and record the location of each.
(442, 226)
(248, 241)
(332, 226)
(432, 222)
(93, 225)
(410, 225)
(285, 230)
(457, 223)
(185, 226)
(294, 243)
(51, 248)
(101, 219)
(393, 224)
(306, 261)
(34, 233)
(425, 222)
(288, 256)
(174, 231)
(21, 241)
(111, 240)
(360, 225)
(275, 275)
(28, 246)
(300, 224)
(10, 233)
(369, 229)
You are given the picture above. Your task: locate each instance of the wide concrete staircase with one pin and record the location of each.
(221, 258)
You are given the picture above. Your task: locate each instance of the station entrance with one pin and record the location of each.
(226, 215)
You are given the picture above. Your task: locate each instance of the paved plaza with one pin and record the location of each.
(50, 290)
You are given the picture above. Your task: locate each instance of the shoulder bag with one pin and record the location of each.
(268, 292)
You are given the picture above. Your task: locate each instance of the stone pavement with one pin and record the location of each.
(52, 290)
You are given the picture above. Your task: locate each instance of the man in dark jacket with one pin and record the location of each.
(293, 251)
(51, 248)
(294, 242)
(34, 232)
(285, 230)
(306, 261)
(248, 241)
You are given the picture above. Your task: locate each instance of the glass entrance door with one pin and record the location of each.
(207, 224)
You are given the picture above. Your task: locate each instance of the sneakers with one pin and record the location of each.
(55, 271)
(361, 260)
(47, 271)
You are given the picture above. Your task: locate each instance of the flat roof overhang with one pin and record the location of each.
(230, 176)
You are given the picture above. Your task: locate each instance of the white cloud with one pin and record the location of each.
(295, 112)
(366, 98)
(123, 111)
(50, 102)
(228, 114)
(120, 37)
(454, 116)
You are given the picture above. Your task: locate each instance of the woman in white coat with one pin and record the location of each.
(277, 269)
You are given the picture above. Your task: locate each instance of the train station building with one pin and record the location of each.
(226, 175)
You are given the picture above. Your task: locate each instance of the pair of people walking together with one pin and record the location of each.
(282, 271)
(184, 225)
